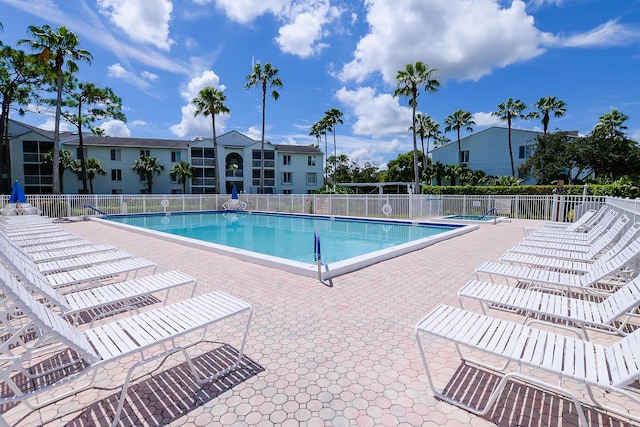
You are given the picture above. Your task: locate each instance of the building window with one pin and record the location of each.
(175, 156)
(311, 160)
(286, 160)
(116, 174)
(145, 153)
(116, 155)
(116, 191)
(464, 156)
(78, 152)
(286, 192)
(526, 151)
(286, 178)
(312, 178)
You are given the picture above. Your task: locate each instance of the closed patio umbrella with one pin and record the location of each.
(17, 194)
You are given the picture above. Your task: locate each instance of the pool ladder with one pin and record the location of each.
(495, 217)
(317, 254)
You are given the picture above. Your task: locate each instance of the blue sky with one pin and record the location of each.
(157, 54)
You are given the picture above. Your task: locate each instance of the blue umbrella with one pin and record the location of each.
(234, 193)
(17, 194)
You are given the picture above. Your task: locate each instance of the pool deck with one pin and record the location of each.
(318, 355)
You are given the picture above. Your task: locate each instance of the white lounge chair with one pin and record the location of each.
(586, 220)
(150, 336)
(104, 300)
(234, 205)
(611, 368)
(607, 243)
(72, 252)
(48, 246)
(616, 271)
(568, 263)
(93, 275)
(611, 313)
(577, 238)
(82, 261)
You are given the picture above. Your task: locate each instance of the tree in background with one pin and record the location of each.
(92, 169)
(332, 118)
(20, 75)
(88, 103)
(400, 169)
(507, 111)
(64, 162)
(182, 171)
(426, 128)
(209, 103)
(456, 121)
(544, 107)
(57, 46)
(555, 157)
(263, 77)
(147, 166)
(409, 81)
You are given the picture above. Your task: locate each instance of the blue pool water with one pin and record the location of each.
(288, 236)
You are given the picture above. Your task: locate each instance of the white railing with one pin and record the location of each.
(561, 208)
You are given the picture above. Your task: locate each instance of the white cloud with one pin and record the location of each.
(119, 72)
(376, 114)
(611, 33)
(149, 75)
(191, 126)
(144, 21)
(50, 124)
(486, 119)
(461, 42)
(137, 123)
(115, 128)
(255, 133)
(306, 20)
(245, 11)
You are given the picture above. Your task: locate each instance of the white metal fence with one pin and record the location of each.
(561, 208)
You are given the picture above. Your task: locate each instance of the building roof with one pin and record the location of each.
(29, 128)
(109, 141)
(289, 148)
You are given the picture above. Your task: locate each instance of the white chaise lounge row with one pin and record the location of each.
(40, 312)
(551, 288)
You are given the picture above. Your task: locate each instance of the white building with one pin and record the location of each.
(287, 168)
(488, 150)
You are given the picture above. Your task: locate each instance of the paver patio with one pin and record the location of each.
(317, 355)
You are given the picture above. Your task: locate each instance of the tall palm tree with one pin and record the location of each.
(57, 46)
(262, 77)
(65, 162)
(209, 103)
(318, 129)
(456, 121)
(182, 170)
(507, 111)
(544, 107)
(93, 168)
(426, 128)
(148, 165)
(333, 117)
(410, 80)
(613, 123)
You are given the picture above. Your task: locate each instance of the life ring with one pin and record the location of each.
(164, 203)
(387, 209)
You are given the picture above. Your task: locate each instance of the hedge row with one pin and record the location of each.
(613, 190)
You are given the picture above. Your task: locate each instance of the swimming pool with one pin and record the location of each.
(286, 241)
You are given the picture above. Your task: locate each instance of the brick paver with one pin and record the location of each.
(317, 355)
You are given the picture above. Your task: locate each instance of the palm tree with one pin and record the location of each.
(182, 170)
(94, 168)
(318, 129)
(64, 163)
(544, 107)
(209, 103)
(58, 46)
(148, 165)
(456, 121)
(613, 123)
(507, 111)
(426, 128)
(263, 77)
(410, 80)
(332, 117)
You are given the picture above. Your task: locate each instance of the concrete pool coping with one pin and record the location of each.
(321, 272)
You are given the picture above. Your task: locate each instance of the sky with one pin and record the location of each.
(158, 54)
